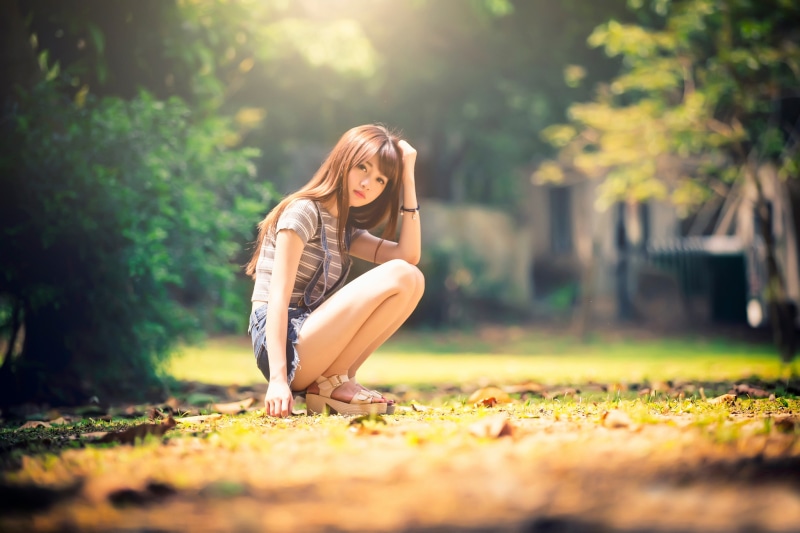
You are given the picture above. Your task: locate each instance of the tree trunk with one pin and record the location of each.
(782, 311)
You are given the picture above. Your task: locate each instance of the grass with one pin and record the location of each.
(575, 461)
(508, 356)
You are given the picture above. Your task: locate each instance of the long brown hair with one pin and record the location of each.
(356, 146)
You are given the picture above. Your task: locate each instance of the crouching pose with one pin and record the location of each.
(311, 332)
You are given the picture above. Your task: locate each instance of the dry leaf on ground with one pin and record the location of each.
(138, 432)
(35, 424)
(493, 427)
(616, 419)
(725, 398)
(787, 424)
(234, 408)
(748, 390)
(487, 394)
(527, 387)
(198, 419)
(569, 391)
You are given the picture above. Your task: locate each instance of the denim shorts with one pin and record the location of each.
(258, 334)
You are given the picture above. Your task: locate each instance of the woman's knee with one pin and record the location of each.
(407, 276)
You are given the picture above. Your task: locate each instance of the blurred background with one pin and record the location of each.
(592, 163)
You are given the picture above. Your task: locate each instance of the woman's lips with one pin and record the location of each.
(360, 194)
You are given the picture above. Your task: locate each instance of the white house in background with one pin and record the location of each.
(641, 265)
(573, 241)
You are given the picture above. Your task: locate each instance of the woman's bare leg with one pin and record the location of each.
(415, 293)
(344, 330)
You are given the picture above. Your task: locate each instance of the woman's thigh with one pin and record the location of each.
(351, 305)
(333, 325)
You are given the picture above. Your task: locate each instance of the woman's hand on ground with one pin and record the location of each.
(279, 400)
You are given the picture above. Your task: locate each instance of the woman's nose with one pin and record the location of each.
(364, 183)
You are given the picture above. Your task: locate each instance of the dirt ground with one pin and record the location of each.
(555, 462)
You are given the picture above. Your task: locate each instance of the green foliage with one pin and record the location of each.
(120, 229)
(458, 290)
(703, 83)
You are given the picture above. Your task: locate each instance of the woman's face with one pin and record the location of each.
(365, 182)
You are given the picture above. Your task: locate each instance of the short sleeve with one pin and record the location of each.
(301, 217)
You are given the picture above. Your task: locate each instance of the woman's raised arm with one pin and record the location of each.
(409, 245)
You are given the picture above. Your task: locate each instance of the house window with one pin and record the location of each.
(560, 220)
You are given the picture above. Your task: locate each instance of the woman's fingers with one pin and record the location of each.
(406, 149)
(286, 407)
(280, 407)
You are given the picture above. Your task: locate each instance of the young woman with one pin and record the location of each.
(311, 332)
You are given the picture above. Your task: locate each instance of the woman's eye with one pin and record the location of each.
(363, 167)
(382, 181)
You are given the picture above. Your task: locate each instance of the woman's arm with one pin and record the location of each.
(409, 245)
(288, 249)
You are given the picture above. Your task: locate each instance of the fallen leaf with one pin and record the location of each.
(138, 432)
(493, 427)
(153, 492)
(488, 402)
(234, 408)
(370, 418)
(198, 419)
(367, 424)
(418, 408)
(35, 424)
(618, 387)
(94, 435)
(60, 421)
(616, 419)
(725, 398)
(749, 390)
(661, 386)
(173, 403)
(787, 424)
(486, 393)
(569, 391)
(527, 387)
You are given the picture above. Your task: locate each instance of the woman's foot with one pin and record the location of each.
(390, 404)
(349, 390)
(338, 394)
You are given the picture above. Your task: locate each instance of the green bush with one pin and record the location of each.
(457, 290)
(120, 229)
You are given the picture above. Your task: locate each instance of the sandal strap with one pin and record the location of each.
(362, 397)
(328, 384)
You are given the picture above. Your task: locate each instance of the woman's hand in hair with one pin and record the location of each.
(409, 154)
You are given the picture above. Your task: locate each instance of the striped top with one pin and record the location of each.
(302, 217)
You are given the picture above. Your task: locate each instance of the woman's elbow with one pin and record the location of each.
(413, 259)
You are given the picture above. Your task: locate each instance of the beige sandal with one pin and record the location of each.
(390, 404)
(360, 404)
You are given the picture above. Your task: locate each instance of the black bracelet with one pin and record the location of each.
(404, 209)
